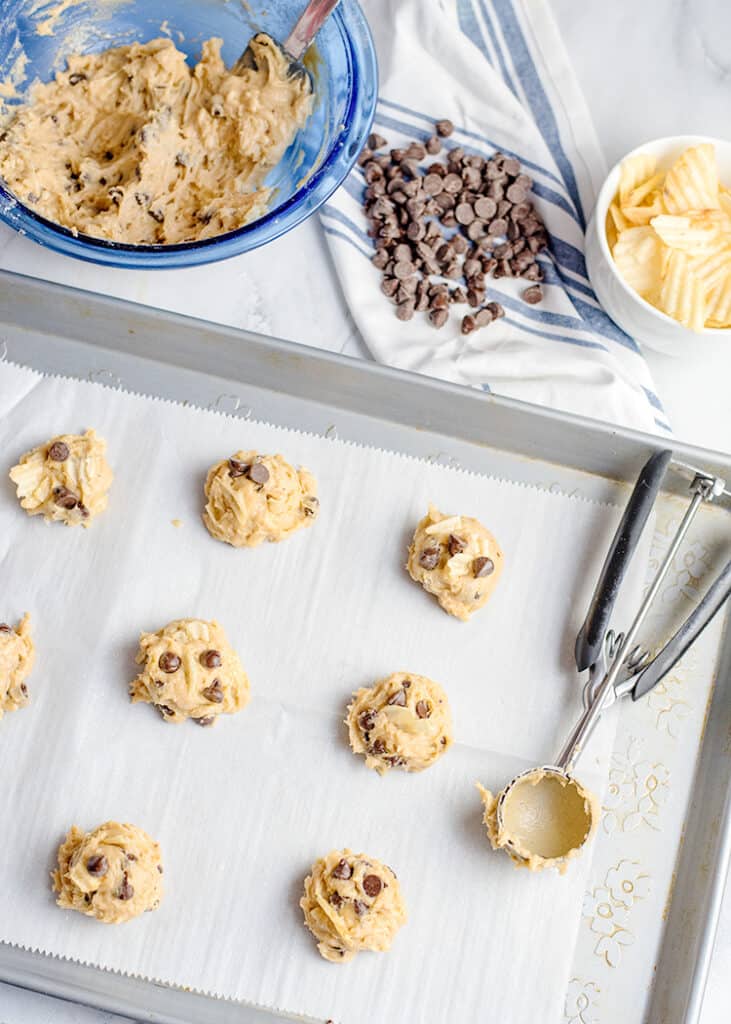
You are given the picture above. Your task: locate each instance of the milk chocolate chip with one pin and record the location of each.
(97, 865)
(213, 693)
(126, 891)
(482, 566)
(169, 662)
(59, 451)
(258, 473)
(211, 659)
(372, 885)
(429, 558)
(342, 870)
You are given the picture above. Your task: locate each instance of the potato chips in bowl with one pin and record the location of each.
(659, 243)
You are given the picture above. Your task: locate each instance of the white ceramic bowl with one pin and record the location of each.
(635, 316)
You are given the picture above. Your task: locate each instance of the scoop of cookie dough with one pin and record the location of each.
(404, 721)
(189, 670)
(16, 661)
(133, 145)
(112, 874)
(352, 902)
(254, 498)
(65, 480)
(457, 560)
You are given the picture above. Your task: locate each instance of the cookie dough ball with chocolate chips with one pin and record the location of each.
(253, 498)
(456, 559)
(404, 721)
(16, 661)
(113, 873)
(352, 902)
(66, 480)
(189, 670)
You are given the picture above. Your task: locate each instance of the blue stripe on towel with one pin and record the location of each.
(567, 255)
(354, 186)
(346, 238)
(566, 339)
(537, 98)
(552, 276)
(550, 319)
(653, 399)
(471, 28)
(361, 235)
(598, 320)
(655, 403)
(498, 49)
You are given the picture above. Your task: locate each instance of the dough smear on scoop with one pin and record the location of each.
(546, 819)
(133, 145)
(112, 874)
(351, 903)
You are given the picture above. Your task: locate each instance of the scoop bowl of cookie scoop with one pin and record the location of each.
(133, 134)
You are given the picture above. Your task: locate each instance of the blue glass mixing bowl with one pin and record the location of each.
(36, 36)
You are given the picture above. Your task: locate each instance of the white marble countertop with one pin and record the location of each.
(647, 69)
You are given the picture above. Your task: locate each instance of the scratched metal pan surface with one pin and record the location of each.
(60, 330)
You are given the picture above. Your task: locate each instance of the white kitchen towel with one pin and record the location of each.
(499, 71)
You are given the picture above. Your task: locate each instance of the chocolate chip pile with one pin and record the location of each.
(462, 218)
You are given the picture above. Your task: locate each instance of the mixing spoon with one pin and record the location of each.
(545, 814)
(295, 45)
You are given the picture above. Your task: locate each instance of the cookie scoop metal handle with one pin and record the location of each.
(295, 45)
(703, 488)
(717, 595)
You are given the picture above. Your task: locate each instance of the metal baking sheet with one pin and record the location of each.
(60, 330)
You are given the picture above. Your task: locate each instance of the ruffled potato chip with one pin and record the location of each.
(682, 295)
(713, 267)
(638, 255)
(652, 206)
(692, 181)
(633, 173)
(639, 194)
(718, 303)
(617, 217)
(697, 235)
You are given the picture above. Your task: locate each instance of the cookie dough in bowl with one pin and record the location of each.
(113, 873)
(352, 903)
(456, 559)
(66, 480)
(134, 146)
(190, 671)
(542, 819)
(404, 721)
(252, 498)
(17, 655)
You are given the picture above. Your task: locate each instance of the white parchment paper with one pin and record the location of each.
(241, 810)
